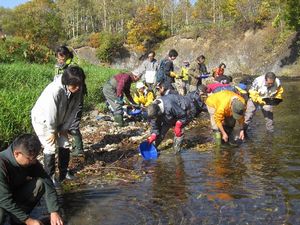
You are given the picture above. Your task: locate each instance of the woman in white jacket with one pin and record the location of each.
(52, 116)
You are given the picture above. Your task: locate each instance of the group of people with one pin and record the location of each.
(169, 100)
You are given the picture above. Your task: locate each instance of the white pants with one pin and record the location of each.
(43, 134)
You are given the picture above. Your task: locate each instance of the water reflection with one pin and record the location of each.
(256, 183)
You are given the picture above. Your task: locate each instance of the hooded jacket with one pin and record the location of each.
(56, 107)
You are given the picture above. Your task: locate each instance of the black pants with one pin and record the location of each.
(26, 198)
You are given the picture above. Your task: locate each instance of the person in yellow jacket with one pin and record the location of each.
(264, 88)
(225, 107)
(143, 96)
(182, 79)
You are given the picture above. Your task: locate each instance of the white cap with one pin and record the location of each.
(136, 73)
(140, 85)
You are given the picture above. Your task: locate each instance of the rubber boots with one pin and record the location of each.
(218, 138)
(77, 145)
(63, 164)
(49, 165)
(119, 120)
(177, 144)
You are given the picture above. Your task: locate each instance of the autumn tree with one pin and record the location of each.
(36, 21)
(146, 29)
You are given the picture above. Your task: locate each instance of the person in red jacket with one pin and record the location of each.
(114, 90)
(219, 71)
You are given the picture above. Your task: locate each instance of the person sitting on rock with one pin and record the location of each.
(114, 91)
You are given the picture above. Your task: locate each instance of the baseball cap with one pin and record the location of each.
(140, 85)
(238, 109)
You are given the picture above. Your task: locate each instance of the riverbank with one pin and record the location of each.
(111, 152)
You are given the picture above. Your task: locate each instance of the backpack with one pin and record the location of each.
(160, 73)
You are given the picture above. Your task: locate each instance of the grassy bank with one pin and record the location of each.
(21, 85)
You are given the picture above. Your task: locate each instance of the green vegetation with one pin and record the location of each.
(21, 85)
(18, 49)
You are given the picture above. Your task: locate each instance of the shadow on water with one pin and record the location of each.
(255, 183)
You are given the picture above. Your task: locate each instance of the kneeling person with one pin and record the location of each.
(23, 181)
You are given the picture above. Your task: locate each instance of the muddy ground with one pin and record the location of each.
(111, 152)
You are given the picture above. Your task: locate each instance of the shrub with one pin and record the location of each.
(110, 45)
(18, 49)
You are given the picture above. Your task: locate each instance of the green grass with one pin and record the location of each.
(21, 85)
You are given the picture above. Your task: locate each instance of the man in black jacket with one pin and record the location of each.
(172, 110)
(23, 181)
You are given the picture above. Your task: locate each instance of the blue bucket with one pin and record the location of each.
(134, 112)
(148, 151)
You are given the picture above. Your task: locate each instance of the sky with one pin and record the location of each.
(11, 3)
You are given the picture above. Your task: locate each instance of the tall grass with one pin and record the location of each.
(22, 83)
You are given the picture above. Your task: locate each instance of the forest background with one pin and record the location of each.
(118, 29)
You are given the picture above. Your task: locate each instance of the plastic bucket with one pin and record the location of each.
(148, 151)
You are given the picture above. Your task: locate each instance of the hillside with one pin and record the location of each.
(251, 52)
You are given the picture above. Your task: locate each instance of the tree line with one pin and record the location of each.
(139, 23)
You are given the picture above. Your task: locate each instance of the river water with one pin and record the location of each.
(255, 183)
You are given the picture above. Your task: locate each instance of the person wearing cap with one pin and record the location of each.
(265, 86)
(23, 182)
(225, 107)
(143, 96)
(114, 91)
(172, 110)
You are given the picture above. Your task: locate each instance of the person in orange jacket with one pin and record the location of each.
(225, 107)
(219, 71)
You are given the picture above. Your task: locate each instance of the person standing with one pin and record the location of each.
(263, 87)
(148, 70)
(197, 71)
(165, 72)
(114, 91)
(64, 59)
(52, 116)
(23, 182)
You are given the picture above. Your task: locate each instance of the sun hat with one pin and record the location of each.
(238, 109)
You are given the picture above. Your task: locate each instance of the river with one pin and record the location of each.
(255, 183)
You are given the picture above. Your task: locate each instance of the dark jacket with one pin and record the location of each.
(194, 105)
(13, 177)
(172, 112)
